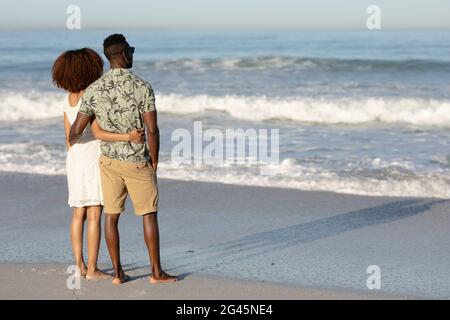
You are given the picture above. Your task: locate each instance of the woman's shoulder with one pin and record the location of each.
(71, 102)
(69, 107)
(65, 102)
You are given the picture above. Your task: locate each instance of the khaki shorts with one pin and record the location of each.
(136, 178)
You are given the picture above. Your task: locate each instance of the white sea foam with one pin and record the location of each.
(382, 179)
(339, 111)
(291, 175)
(32, 157)
(30, 106)
(420, 112)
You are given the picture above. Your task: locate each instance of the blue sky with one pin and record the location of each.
(224, 14)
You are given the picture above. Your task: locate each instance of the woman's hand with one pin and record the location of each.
(137, 136)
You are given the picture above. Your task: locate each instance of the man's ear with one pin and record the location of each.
(125, 58)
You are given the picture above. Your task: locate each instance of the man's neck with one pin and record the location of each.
(118, 66)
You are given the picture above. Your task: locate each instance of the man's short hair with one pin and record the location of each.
(114, 44)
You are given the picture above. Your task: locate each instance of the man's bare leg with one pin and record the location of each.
(151, 235)
(113, 242)
(94, 215)
(76, 237)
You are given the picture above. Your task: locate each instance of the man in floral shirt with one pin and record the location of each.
(121, 102)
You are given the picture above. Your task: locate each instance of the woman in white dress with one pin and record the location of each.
(74, 71)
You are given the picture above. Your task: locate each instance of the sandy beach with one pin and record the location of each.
(48, 281)
(234, 242)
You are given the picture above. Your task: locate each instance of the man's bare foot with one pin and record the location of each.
(97, 275)
(122, 278)
(162, 278)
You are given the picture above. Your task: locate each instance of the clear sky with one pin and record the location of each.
(223, 14)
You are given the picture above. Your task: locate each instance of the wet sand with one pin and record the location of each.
(234, 242)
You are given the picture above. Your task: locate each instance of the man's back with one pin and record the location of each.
(118, 100)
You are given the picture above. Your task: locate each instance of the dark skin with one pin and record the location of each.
(150, 220)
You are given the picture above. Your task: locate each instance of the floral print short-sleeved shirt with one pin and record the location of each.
(118, 100)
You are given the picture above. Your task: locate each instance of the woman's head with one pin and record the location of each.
(75, 70)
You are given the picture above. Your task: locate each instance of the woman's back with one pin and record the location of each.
(71, 110)
(71, 113)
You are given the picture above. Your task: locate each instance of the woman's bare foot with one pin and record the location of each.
(97, 275)
(122, 278)
(83, 270)
(162, 278)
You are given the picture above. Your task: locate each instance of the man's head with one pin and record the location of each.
(118, 51)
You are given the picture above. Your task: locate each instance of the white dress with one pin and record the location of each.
(83, 173)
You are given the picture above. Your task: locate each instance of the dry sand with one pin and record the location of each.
(48, 281)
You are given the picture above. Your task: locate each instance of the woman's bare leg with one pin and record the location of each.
(76, 236)
(94, 215)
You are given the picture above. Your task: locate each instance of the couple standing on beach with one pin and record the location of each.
(108, 157)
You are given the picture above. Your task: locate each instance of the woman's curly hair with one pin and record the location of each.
(75, 70)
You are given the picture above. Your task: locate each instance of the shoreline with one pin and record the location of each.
(173, 180)
(285, 238)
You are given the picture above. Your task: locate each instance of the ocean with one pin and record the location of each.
(358, 112)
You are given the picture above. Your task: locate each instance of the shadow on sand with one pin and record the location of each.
(277, 239)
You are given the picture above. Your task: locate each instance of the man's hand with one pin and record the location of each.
(155, 165)
(78, 127)
(151, 123)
